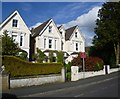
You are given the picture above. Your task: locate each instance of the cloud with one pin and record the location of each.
(36, 25)
(86, 22)
(69, 11)
(26, 6)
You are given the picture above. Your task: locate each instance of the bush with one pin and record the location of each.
(91, 63)
(60, 57)
(23, 55)
(68, 75)
(17, 67)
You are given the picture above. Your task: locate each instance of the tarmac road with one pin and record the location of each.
(99, 86)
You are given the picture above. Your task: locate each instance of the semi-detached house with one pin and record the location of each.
(48, 36)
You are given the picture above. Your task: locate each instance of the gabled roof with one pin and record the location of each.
(61, 26)
(38, 29)
(69, 32)
(10, 17)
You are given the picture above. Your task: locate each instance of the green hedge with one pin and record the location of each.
(17, 67)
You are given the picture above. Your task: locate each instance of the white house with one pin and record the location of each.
(73, 41)
(47, 37)
(17, 29)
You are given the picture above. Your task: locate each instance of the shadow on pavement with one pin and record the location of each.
(8, 96)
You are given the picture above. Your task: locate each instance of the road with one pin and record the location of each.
(100, 86)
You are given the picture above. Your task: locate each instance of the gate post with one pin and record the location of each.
(74, 73)
(106, 69)
(63, 74)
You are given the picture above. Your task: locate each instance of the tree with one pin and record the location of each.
(51, 56)
(108, 28)
(60, 57)
(9, 47)
(40, 56)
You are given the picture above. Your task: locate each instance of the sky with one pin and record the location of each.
(83, 14)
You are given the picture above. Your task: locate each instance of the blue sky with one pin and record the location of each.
(83, 14)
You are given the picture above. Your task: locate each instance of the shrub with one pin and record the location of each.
(51, 56)
(17, 67)
(40, 56)
(23, 55)
(91, 63)
(68, 67)
(60, 56)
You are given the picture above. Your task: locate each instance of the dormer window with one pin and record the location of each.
(50, 29)
(15, 23)
(76, 34)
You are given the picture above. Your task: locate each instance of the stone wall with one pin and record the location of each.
(38, 80)
(75, 75)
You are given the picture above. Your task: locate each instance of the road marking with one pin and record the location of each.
(59, 90)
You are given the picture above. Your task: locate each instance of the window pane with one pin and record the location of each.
(14, 24)
(14, 37)
(55, 44)
(44, 43)
(75, 34)
(21, 40)
(50, 43)
(50, 29)
(76, 46)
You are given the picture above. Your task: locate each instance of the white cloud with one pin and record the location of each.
(36, 25)
(86, 22)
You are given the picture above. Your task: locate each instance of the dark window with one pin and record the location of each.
(54, 59)
(44, 43)
(75, 34)
(62, 46)
(15, 22)
(76, 46)
(55, 43)
(21, 40)
(50, 43)
(50, 29)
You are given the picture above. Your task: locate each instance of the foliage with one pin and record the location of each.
(17, 67)
(108, 27)
(107, 56)
(91, 63)
(23, 55)
(68, 76)
(51, 56)
(68, 66)
(40, 56)
(9, 47)
(60, 57)
(77, 61)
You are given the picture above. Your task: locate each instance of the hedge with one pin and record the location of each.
(17, 67)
